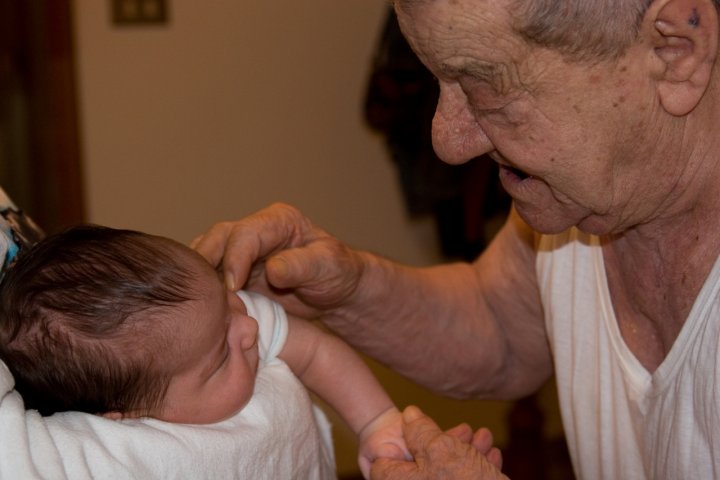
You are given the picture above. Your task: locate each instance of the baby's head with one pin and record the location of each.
(125, 324)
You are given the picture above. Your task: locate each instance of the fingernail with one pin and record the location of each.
(230, 281)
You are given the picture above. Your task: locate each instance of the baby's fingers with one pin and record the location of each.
(386, 450)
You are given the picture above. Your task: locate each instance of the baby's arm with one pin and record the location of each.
(331, 369)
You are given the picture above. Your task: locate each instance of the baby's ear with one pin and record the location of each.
(684, 36)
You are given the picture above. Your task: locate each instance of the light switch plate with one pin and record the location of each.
(139, 12)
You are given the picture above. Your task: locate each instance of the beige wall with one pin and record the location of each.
(237, 104)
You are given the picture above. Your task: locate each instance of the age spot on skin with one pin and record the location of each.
(694, 20)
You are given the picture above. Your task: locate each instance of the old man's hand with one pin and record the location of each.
(439, 455)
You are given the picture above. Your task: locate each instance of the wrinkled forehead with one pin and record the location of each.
(413, 5)
(451, 36)
(458, 16)
(410, 7)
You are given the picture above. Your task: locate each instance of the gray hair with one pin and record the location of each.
(581, 29)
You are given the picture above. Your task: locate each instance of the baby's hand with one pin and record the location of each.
(382, 438)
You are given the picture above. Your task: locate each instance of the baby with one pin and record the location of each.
(125, 325)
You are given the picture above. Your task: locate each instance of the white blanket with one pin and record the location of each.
(278, 435)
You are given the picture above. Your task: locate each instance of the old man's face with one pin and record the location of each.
(573, 140)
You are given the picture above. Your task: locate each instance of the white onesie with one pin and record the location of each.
(622, 422)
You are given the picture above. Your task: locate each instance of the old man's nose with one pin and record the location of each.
(456, 135)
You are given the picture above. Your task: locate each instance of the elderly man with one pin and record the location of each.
(602, 117)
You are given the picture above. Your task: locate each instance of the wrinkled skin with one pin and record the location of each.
(275, 250)
(437, 455)
(581, 134)
(418, 429)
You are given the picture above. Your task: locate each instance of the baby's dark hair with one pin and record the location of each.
(73, 313)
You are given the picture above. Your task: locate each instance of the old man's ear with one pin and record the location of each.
(684, 36)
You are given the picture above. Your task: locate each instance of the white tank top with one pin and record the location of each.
(621, 422)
